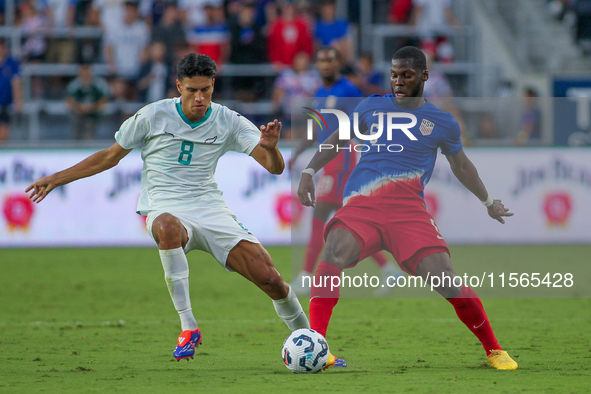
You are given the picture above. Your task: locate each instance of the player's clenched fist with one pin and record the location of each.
(270, 134)
(306, 190)
(41, 188)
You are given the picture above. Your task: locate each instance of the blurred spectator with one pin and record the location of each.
(211, 37)
(439, 92)
(33, 23)
(88, 50)
(488, 128)
(297, 81)
(153, 83)
(247, 41)
(370, 80)
(2, 10)
(179, 53)
(125, 49)
(247, 46)
(531, 120)
(61, 12)
(437, 85)
(61, 15)
(265, 9)
(86, 97)
(170, 31)
(400, 12)
(288, 35)
(193, 11)
(108, 14)
(582, 9)
(155, 10)
(558, 8)
(432, 18)
(10, 89)
(333, 32)
(82, 11)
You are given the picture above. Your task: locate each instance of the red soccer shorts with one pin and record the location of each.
(399, 224)
(335, 174)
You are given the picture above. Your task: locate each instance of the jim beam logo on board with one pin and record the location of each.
(426, 127)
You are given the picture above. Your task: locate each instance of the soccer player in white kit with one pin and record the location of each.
(182, 140)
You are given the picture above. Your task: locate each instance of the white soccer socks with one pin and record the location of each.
(291, 312)
(176, 274)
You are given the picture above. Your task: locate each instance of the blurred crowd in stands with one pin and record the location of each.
(142, 40)
(578, 14)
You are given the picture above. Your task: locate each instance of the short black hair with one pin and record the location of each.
(196, 65)
(419, 60)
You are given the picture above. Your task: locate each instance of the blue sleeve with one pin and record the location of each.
(452, 143)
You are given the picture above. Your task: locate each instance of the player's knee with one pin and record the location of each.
(167, 230)
(337, 255)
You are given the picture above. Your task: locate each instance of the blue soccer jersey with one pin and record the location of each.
(405, 154)
(329, 98)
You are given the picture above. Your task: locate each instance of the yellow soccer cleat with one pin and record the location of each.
(500, 359)
(334, 362)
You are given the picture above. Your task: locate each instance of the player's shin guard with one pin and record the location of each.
(471, 312)
(323, 297)
(290, 311)
(176, 274)
(315, 245)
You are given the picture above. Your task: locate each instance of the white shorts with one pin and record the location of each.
(213, 229)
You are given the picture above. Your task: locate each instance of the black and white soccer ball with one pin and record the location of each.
(305, 351)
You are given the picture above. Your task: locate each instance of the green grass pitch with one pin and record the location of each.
(101, 320)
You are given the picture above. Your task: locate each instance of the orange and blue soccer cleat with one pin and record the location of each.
(334, 362)
(500, 359)
(187, 343)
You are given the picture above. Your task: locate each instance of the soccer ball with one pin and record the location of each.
(305, 351)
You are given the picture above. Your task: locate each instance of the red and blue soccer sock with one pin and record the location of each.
(469, 309)
(323, 298)
(315, 245)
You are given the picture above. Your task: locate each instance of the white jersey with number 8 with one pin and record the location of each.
(180, 156)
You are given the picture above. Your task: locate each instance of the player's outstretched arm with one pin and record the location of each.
(306, 189)
(266, 152)
(467, 174)
(98, 162)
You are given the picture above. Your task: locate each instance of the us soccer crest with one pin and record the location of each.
(426, 127)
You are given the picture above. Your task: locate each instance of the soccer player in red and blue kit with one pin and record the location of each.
(336, 173)
(383, 206)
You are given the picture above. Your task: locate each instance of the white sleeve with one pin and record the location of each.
(134, 130)
(246, 135)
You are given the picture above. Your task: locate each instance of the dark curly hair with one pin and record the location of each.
(196, 65)
(417, 56)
